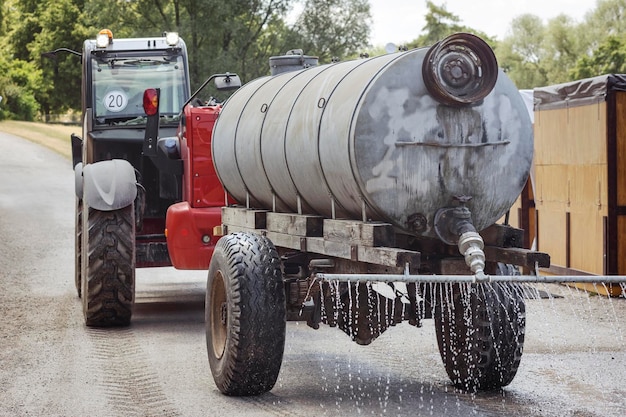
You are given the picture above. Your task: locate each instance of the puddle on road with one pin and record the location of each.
(574, 360)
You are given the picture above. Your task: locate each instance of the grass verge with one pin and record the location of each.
(53, 136)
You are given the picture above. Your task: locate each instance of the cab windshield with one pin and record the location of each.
(119, 84)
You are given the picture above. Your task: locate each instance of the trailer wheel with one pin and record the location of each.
(480, 332)
(78, 231)
(245, 314)
(108, 266)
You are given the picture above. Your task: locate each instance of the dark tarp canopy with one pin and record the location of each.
(578, 93)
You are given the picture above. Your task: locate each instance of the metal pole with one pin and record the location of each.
(600, 279)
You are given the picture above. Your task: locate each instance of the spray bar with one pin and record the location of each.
(478, 278)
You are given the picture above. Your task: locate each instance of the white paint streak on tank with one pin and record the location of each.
(368, 132)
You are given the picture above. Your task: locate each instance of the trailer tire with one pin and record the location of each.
(480, 332)
(78, 231)
(108, 266)
(245, 314)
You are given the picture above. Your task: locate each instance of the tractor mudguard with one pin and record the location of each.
(108, 185)
(78, 180)
(77, 149)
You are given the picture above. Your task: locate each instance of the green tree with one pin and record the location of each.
(608, 58)
(239, 35)
(33, 27)
(441, 23)
(562, 47)
(20, 78)
(332, 28)
(2, 22)
(521, 53)
(58, 20)
(119, 16)
(220, 36)
(602, 44)
(24, 26)
(607, 19)
(18, 82)
(236, 36)
(537, 54)
(251, 37)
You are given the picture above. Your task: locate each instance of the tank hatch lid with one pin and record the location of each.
(293, 60)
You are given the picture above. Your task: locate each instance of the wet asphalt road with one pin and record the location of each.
(574, 362)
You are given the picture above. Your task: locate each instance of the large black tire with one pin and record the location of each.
(480, 332)
(108, 266)
(245, 314)
(78, 236)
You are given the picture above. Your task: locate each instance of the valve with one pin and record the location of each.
(453, 225)
(471, 247)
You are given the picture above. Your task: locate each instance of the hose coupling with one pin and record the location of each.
(471, 246)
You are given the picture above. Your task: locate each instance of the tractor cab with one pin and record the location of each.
(117, 72)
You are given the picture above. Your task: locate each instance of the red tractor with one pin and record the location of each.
(193, 225)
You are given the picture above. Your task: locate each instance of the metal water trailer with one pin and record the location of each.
(433, 142)
(400, 138)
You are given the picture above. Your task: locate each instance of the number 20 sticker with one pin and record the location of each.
(115, 101)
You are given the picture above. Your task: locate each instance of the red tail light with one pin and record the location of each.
(151, 101)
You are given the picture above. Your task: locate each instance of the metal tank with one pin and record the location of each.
(405, 138)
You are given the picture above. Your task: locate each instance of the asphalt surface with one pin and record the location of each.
(574, 363)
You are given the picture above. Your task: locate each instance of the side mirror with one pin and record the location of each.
(227, 82)
(222, 82)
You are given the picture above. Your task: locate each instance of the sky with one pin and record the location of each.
(401, 21)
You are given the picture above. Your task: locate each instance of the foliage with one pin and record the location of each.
(522, 53)
(608, 58)
(562, 50)
(240, 36)
(441, 23)
(537, 53)
(221, 36)
(606, 20)
(237, 36)
(62, 88)
(332, 28)
(18, 85)
(29, 84)
(601, 37)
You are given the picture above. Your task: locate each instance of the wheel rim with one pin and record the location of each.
(219, 315)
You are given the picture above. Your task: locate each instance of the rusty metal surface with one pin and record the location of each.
(455, 77)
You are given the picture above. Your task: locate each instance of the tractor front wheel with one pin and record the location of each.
(108, 266)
